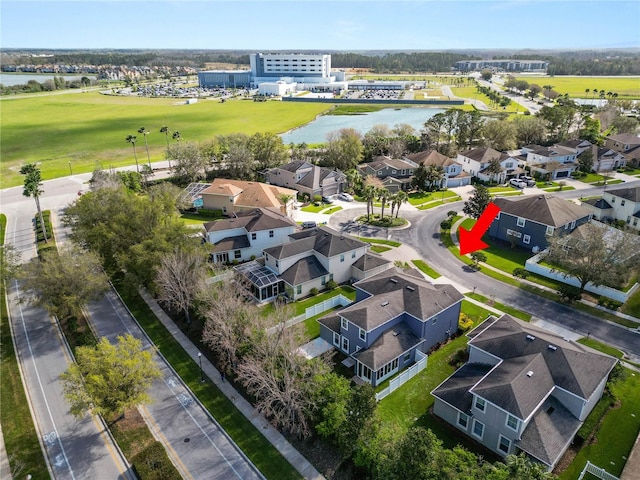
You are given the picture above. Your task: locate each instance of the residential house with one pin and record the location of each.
(558, 161)
(617, 204)
(626, 143)
(396, 174)
(523, 389)
(578, 146)
(607, 160)
(476, 161)
(529, 221)
(454, 176)
(308, 260)
(243, 236)
(307, 178)
(398, 316)
(233, 196)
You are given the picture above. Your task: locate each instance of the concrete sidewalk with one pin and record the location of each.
(294, 457)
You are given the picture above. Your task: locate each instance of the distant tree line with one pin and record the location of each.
(49, 85)
(400, 62)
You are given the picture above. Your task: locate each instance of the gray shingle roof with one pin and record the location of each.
(544, 209)
(485, 154)
(303, 270)
(323, 240)
(455, 389)
(255, 220)
(549, 432)
(431, 157)
(231, 243)
(632, 194)
(394, 292)
(369, 261)
(295, 166)
(571, 366)
(627, 138)
(391, 344)
(600, 203)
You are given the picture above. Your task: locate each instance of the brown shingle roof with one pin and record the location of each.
(431, 157)
(248, 194)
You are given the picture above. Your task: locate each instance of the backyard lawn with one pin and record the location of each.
(418, 198)
(426, 269)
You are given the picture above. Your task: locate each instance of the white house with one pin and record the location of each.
(476, 161)
(617, 204)
(244, 236)
(453, 172)
(540, 159)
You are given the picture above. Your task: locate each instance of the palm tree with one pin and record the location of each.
(177, 136)
(400, 198)
(165, 130)
(586, 92)
(32, 184)
(145, 132)
(383, 195)
(132, 140)
(369, 193)
(284, 199)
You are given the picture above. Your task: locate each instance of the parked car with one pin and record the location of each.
(327, 199)
(309, 224)
(345, 197)
(528, 180)
(517, 183)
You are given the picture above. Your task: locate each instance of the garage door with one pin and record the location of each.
(564, 174)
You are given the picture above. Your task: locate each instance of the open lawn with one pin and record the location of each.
(616, 434)
(472, 92)
(514, 312)
(312, 208)
(90, 129)
(632, 305)
(437, 203)
(625, 87)
(418, 198)
(426, 269)
(381, 241)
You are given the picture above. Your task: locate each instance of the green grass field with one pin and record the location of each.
(90, 129)
(472, 92)
(625, 87)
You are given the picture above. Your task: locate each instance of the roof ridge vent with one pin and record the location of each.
(393, 280)
(384, 304)
(409, 287)
(395, 334)
(552, 347)
(531, 337)
(530, 373)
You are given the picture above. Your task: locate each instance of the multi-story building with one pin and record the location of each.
(454, 176)
(307, 178)
(617, 204)
(476, 161)
(502, 65)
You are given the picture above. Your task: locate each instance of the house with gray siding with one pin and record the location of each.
(396, 313)
(396, 173)
(307, 178)
(523, 389)
(529, 221)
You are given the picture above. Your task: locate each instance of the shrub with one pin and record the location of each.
(207, 212)
(569, 292)
(153, 463)
(445, 225)
(317, 199)
(520, 272)
(313, 292)
(459, 358)
(331, 284)
(465, 322)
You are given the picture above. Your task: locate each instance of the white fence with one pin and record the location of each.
(405, 376)
(597, 472)
(533, 266)
(328, 304)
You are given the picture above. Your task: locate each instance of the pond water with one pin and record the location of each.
(317, 130)
(11, 79)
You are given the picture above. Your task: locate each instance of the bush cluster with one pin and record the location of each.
(609, 303)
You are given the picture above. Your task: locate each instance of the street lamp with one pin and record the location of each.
(70, 171)
(201, 372)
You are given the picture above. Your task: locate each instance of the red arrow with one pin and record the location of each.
(470, 241)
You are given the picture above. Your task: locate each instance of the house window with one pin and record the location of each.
(566, 227)
(342, 258)
(237, 254)
(435, 320)
(393, 171)
(363, 335)
(266, 257)
(512, 422)
(520, 222)
(573, 224)
(231, 199)
(345, 344)
(504, 444)
(478, 428)
(622, 202)
(270, 233)
(299, 289)
(336, 339)
(613, 200)
(526, 239)
(403, 172)
(277, 264)
(463, 420)
(323, 281)
(635, 222)
(549, 231)
(480, 404)
(344, 324)
(353, 254)
(254, 236)
(629, 219)
(407, 357)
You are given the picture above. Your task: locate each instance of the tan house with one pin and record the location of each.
(233, 196)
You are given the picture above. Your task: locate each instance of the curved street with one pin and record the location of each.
(424, 236)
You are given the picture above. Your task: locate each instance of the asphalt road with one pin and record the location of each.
(424, 237)
(75, 448)
(198, 446)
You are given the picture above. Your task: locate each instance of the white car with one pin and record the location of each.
(345, 197)
(517, 183)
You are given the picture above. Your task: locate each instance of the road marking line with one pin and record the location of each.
(107, 442)
(24, 326)
(155, 428)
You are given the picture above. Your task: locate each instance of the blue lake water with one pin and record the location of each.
(317, 130)
(11, 79)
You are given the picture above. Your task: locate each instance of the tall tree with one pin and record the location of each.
(478, 201)
(108, 379)
(585, 161)
(166, 132)
(596, 255)
(268, 150)
(499, 135)
(32, 184)
(132, 140)
(189, 164)
(343, 149)
(144, 132)
(64, 282)
(529, 129)
(383, 195)
(494, 169)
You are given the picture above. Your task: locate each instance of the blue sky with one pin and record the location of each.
(320, 25)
